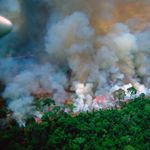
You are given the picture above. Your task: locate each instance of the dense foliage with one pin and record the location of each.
(120, 94)
(127, 128)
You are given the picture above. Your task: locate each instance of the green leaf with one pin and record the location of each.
(48, 102)
(129, 147)
(45, 124)
(132, 90)
(56, 108)
(120, 94)
(79, 140)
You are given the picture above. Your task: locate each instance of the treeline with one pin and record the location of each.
(127, 128)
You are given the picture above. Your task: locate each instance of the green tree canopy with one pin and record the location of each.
(132, 91)
(56, 108)
(48, 102)
(119, 94)
(142, 95)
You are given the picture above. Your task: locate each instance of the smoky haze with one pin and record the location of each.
(105, 45)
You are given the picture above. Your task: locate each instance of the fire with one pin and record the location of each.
(122, 13)
(9, 59)
(26, 56)
(74, 115)
(60, 62)
(98, 99)
(103, 106)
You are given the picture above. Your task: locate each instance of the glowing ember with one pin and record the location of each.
(74, 115)
(26, 56)
(98, 99)
(103, 106)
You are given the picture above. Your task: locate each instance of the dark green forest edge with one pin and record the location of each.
(127, 128)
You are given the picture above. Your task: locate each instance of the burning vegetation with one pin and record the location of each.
(117, 128)
(78, 70)
(84, 55)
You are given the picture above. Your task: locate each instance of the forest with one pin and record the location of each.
(117, 128)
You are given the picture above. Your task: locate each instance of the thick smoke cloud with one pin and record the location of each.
(31, 75)
(104, 44)
(100, 44)
(37, 79)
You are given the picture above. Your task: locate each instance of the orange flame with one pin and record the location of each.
(25, 56)
(74, 115)
(99, 99)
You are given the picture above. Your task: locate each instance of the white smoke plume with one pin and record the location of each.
(37, 79)
(100, 59)
(104, 45)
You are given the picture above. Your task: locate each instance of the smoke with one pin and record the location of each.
(104, 44)
(36, 80)
(101, 46)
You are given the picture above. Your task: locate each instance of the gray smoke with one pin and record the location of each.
(105, 46)
(37, 79)
(97, 52)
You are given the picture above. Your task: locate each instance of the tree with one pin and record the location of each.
(14, 123)
(56, 109)
(48, 102)
(36, 105)
(120, 94)
(132, 91)
(3, 113)
(30, 121)
(142, 95)
(71, 107)
(129, 147)
(45, 118)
